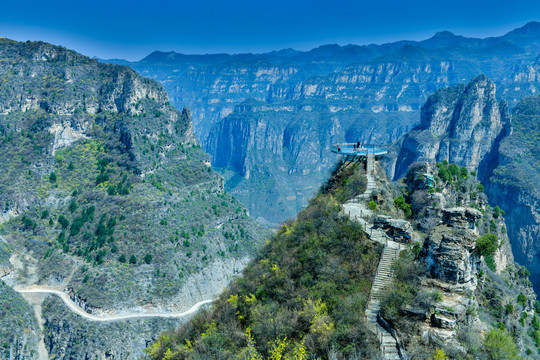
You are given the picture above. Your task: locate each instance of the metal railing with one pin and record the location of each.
(362, 150)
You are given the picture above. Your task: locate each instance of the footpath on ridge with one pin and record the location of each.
(358, 210)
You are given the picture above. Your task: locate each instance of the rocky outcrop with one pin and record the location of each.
(462, 125)
(468, 126)
(460, 217)
(397, 229)
(457, 283)
(448, 251)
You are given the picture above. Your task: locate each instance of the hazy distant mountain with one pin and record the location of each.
(367, 93)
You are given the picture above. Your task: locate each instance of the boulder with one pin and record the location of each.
(443, 322)
(398, 229)
(461, 217)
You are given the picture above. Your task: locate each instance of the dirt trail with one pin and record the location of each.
(80, 311)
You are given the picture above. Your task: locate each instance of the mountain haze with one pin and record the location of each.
(370, 93)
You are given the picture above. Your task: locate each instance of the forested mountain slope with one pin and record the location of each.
(106, 194)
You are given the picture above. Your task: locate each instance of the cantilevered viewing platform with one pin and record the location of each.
(351, 149)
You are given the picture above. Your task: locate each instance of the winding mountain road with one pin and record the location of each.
(80, 311)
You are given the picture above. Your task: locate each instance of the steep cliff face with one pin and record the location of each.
(468, 126)
(105, 193)
(271, 159)
(462, 125)
(515, 182)
(460, 278)
(448, 251)
(281, 154)
(373, 92)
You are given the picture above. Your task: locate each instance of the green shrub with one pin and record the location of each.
(524, 273)
(52, 177)
(500, 345)
(535, 323)
(101, 178)
(445, 175)
(148, 258)
(122, 258)
(76, 226)
(487, 244)
(372, 205)
(490, 262)
(400, 203)
(63, 221)
(73, 206)
(132, 259)
(523, 317)
(111, 190)
(454, 170)
(28, 223)
(480, 188)
(45, 214)
(522, 299)
(537, 306)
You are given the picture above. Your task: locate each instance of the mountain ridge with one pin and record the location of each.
(360, 89)
(525, 31)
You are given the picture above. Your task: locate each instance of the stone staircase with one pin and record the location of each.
(357, 209)
(383, 277)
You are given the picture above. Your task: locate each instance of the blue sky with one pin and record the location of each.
(132, 29)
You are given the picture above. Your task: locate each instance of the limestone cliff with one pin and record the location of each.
(515, 182)
(469, 126)
(283, 162)
(374, 93)
(449, 290)
(462, 125)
